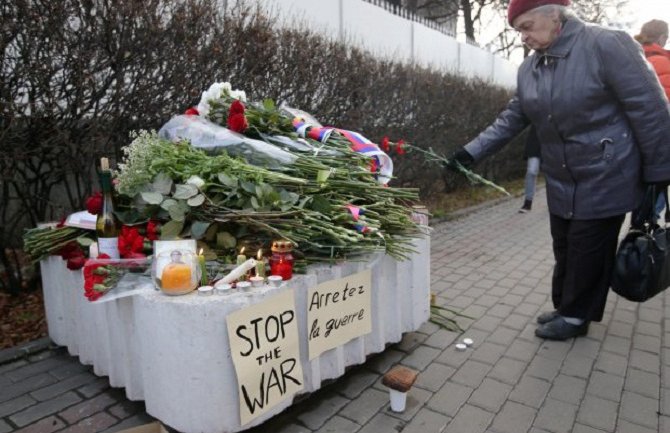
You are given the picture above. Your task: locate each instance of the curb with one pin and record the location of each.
(25, 350)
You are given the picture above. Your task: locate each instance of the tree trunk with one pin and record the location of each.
(466, 7)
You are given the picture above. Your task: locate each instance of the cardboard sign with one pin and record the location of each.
(266, 354)
(338, 311)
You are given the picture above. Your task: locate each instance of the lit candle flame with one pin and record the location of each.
(200, 252)
(242, 250)
(260, 254)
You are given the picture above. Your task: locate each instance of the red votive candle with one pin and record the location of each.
(281, 262)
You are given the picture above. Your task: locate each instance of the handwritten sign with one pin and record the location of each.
(338, 311)
(266, 354)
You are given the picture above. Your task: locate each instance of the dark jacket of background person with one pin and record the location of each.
(660, 60)
(532, 146)
(603, 121)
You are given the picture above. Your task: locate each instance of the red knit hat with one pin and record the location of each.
(517, 7)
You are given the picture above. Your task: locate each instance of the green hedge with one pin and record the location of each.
(78, 76)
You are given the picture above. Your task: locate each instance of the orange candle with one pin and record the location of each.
(176, 277)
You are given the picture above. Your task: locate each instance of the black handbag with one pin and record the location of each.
(642, 263)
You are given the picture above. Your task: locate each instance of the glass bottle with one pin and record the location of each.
(281, 262)
(107, 225)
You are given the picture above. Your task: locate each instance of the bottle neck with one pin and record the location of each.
(106, 181)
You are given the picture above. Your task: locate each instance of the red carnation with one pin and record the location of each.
(70, 250)
(237, 122)
(192, 111)
(398, 147)
(131, 243)
(94, 203)
(237, 107)
(385, 144)
(153, 230)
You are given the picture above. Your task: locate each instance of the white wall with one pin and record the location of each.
(384, 34)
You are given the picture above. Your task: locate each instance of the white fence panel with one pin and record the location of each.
(377, 30)
(387, 35)
(475, 63)
(322, 15)
(504, 72)
(435, 50)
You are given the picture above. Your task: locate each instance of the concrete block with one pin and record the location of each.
(556, 416)
(598, 412)
(514, 418)
(449, 399)
(490, 395)
(507, 370)
(43, 409)
(530, 391)
(605, 385)
(366, 405)
(470, 419)
(639, 409)
(337, 424)
(426, 420)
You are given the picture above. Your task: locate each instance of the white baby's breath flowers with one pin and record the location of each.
(131, 175)
(216, 91)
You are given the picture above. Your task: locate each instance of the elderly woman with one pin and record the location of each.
(603, 124)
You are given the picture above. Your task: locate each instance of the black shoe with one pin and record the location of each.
(559, 329)
(547, 317)
(527, 204)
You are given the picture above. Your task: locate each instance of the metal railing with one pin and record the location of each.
(409, 15)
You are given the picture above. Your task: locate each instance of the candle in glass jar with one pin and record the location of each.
(260, 265)
(176, 277)
(281, 262)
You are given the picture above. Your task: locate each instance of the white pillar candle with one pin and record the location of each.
(398, 400)
(238, 272)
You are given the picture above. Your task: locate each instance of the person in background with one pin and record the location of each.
(603, 123)
(532, 155)
(653, 37)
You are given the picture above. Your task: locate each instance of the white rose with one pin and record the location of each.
(239, 94)
(216, 91)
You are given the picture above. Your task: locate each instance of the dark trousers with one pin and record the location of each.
(584, 251)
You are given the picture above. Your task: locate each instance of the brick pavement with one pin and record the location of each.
(492, 264)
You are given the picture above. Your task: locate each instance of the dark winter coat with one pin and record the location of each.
(601, 117)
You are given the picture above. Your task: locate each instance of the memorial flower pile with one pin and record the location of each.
(234, 172)
(251, 172)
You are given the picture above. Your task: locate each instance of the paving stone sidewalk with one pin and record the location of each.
(495, 266)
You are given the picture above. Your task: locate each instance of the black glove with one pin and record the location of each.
(461, 156)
